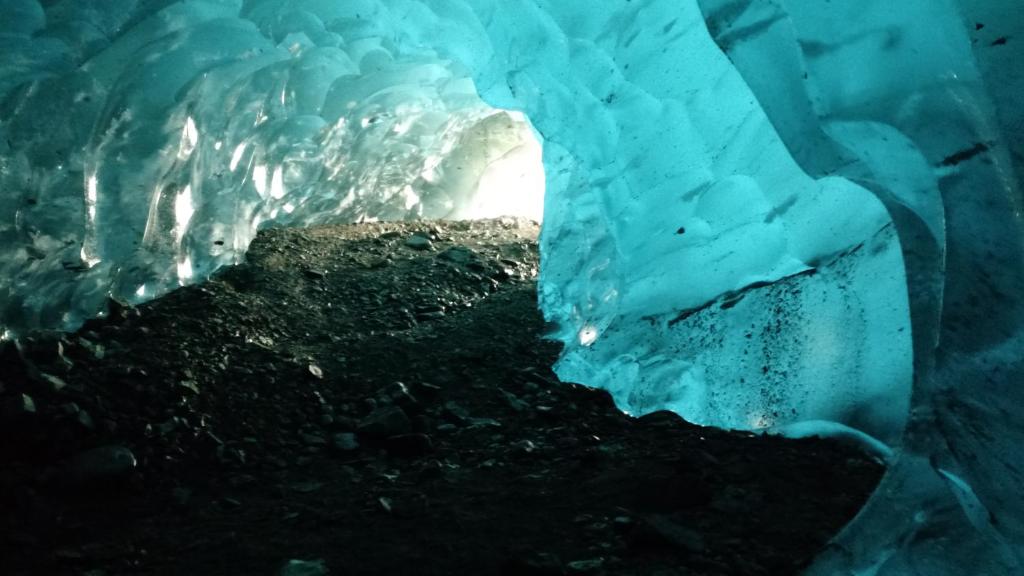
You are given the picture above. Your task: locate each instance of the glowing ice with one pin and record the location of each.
(783, 214)
(144, 143)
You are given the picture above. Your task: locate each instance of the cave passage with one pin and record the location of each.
(774, 215)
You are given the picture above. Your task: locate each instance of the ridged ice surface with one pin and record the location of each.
(145, 142)
(794, 215)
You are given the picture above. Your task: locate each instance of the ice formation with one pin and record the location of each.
(146, 142)
(785, 215)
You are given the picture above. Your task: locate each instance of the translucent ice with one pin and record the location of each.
(144, 143)
(789, 215)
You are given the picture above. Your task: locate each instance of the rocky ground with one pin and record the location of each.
(377, 399)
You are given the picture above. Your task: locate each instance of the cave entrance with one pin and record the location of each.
(495, 168)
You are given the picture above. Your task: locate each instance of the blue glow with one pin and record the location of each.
(789, 215)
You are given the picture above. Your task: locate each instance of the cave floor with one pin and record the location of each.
(266, 416)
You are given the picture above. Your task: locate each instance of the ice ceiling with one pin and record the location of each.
(793, 215)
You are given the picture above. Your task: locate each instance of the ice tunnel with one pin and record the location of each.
(787, 215)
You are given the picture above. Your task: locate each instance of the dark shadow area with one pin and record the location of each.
(379, 397)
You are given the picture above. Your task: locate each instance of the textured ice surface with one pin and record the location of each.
(143, 143)
(793, 215)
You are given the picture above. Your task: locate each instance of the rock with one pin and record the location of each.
(229, 454)
(536, 564)
(209, 443)
(417, 242)
(623, 524)
(12, 352)
(181, 495)
(305, 568)
(50, 383)
(658, 531)
(69, 554)
(103, 464)
(514, 402)
(372, 263)
(17, 407)
(591, 566)
(399, 395)
(475, 423)
(431, 469)
(430, 312)
(190, 386)
(455, 413)
(345, 442)
(97, 350)
(242, 480)
(458, 255)
(344, 424)
(661, 419)
(409, 445)
(314, 274)
(427, 390)
(85, 421)
(314, 440)
(306, 487)
(385, 422)
(167, 426)
(523, 447)
(421, 423)
(315, 371)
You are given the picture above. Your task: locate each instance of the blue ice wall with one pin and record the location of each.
(142, 143)
(916, 102)
(792, 215)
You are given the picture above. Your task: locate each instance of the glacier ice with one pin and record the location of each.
(784, 215)
(146, 142)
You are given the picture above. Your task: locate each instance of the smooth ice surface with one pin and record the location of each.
(790, 215)
(919, 102)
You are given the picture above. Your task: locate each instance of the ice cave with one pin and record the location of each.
(785, 216)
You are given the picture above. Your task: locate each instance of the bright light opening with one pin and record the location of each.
(514, 184)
